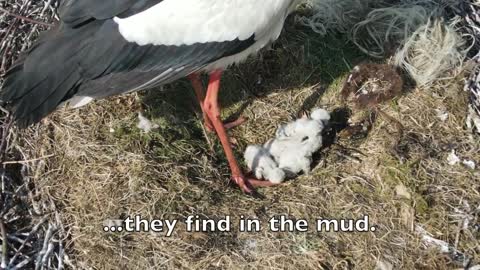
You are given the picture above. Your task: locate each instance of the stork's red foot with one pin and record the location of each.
(234, 124)
(261, 183)
(200, 94)
(228, 125)
(247, 184)
(254, 182)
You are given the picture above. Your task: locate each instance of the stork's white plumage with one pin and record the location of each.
(110, 47)
(213, 21)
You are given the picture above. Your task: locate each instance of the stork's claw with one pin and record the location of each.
(243, 183)
(261, 183)
(248, 185)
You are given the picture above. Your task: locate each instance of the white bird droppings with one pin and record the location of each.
(442, 115)
(452, 158)
(145, 124)
(469, 164)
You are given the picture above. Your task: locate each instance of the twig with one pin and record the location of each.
(61, 236)
(5, 130)
(4, 110)
(17, 239)
(32, 192)
(24, 18)
(21, 264)
(3, 264)
(46, 249)
(29, 236)
(26, 161)
(351, 149)
(61, 254)
(26, 44)
(350, 158)
(48, 254)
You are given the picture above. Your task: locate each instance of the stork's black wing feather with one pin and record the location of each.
(77, 12)
(87, 56)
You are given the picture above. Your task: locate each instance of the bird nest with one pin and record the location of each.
(63, 179)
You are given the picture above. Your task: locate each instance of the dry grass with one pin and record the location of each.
(103, 168)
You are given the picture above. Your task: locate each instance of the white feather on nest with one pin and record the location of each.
(145, 124)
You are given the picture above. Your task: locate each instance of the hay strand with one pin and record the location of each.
(432, 52)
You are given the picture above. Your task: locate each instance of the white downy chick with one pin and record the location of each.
(319, 118)
(294, 154)
(296, 142)
(321, 115)
(263, 165)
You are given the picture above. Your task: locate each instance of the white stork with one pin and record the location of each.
(109, 47)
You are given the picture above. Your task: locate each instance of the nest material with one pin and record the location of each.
(468, 15)
(373, 84)
(472, 86)
(432, 52)
(424, 32)
(471, 28)
(32, 235)
(16, 34)
(430, 39)
(384, 29)
(117, 176)
(377, 27)
(337, 15)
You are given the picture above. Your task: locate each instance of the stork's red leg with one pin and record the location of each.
(200, 94)
(212, 110)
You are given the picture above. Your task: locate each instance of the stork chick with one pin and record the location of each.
(262, 164)
(294, 153)
(314, 124)
(296, 142)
